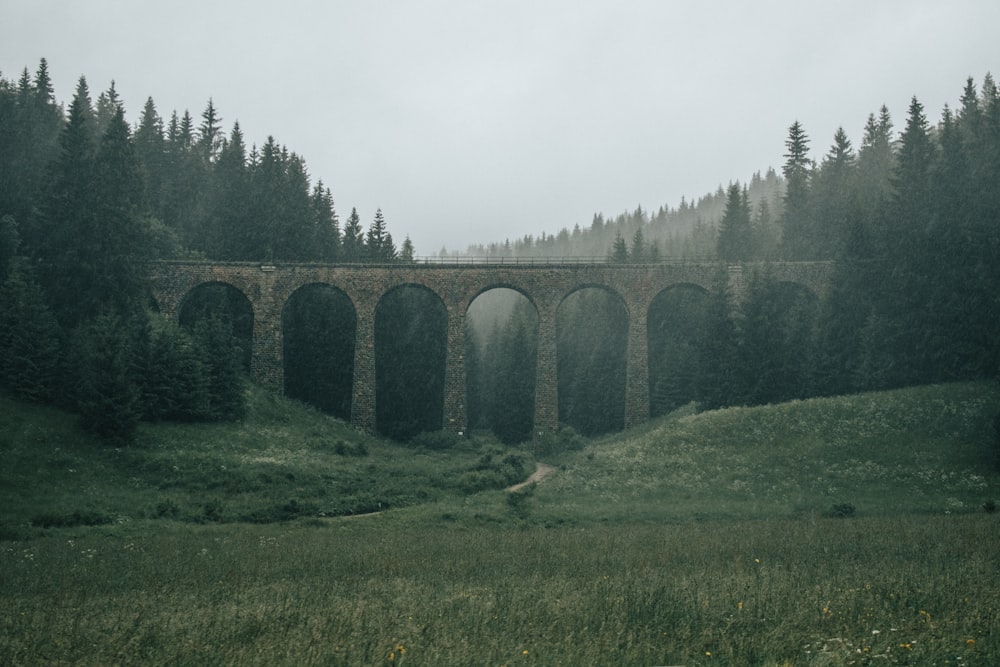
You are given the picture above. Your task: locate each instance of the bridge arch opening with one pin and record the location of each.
(778, 327)
(591, 349)
(319, 329)
(675, 326)
(225, 302)
(501, 347)
(411, 338)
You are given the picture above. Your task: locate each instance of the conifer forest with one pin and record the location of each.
(91, 193)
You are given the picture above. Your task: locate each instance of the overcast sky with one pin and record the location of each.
(470, 122)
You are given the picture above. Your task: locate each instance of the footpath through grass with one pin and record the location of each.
(831, 532)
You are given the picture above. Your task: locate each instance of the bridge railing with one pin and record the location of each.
(494, 260)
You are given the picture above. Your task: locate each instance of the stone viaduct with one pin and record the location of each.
(545, 284)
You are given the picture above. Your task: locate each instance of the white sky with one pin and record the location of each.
(470, 122)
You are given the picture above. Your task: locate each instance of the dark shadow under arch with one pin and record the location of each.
(675, 327)
(319, 329)
(411, 338)
(591, 348)
(501, 347)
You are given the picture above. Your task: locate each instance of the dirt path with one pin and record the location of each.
(542, 471)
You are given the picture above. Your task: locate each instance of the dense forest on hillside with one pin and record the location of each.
(912, 221)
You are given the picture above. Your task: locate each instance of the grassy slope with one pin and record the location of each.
(284, 461)
(927, 449)
(635, 580)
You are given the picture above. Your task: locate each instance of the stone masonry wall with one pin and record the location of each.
(268, 289)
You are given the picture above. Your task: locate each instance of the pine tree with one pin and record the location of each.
(326, 224)
(30, 347)
(637, 253)
(797, 227)
(375, 241)
(833, 198)
(735, 242)
(58, 235)
(108, 103)
(229, 233)
(150, 149)
(108, 394)
(353, 246)
(406, 252)
(210, 133)
(116, 248)
(174, 379)
(221, 355)
(876, 161)
(619, 251)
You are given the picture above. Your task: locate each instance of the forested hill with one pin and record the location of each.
(198, 190)
(912, 219)
(686, 231)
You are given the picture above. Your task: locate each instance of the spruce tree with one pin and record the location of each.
(797, 242)
(107, 392)
(735, 242)
(60, 234)
(353, 245)
(375, 240)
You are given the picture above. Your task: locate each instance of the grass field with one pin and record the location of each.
(829, 532)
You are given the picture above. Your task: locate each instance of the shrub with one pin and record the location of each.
(107, 394)
(564, 440)
(435, 440)
(495, 469)
(517, 501)
(841, 511)
(342, 448)
(77, 518)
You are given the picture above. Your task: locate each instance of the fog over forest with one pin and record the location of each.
(908, 216)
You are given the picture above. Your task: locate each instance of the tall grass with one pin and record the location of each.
(820, 592)
(927, 449)
(697, 540)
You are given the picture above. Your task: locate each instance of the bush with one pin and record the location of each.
(564, 440)
(495, 469)
(435, 440)
(841, 511)
(77, 518)
(342, 448)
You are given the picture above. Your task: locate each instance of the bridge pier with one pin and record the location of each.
(363, 389)
(637, 368)
(455, 416)
(546, 385)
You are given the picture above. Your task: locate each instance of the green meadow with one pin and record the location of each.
(853, 530)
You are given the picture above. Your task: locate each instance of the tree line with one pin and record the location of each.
(86, 201)
(912, 223)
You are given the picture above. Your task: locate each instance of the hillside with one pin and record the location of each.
(928, 449)
(697, 540)
(922, 450)
(284, 461)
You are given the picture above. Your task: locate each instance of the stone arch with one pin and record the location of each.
(411, 340)
(592, 358)
(319, 325)
(225, 300)
(501, 351)
(675, 327)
